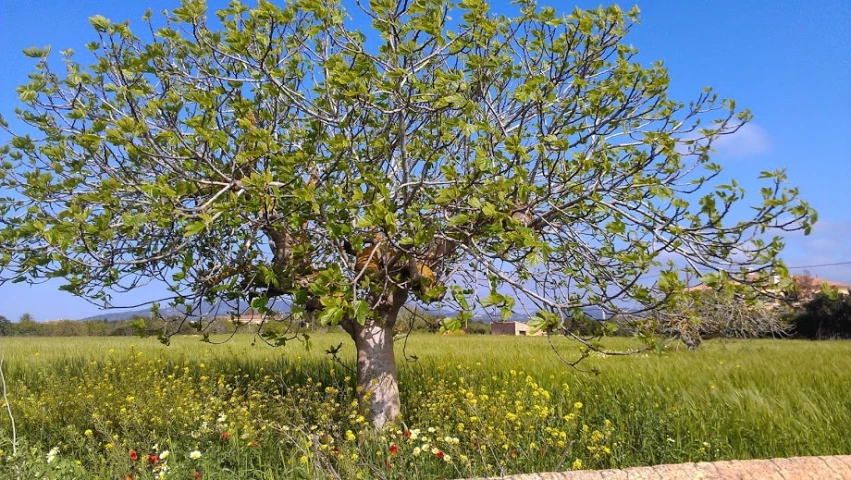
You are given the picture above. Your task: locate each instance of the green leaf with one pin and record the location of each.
(259, 303)
(361, 310)
(100, 23)
(35, 52)
(331, 316)
(194, 228)
(450, 324)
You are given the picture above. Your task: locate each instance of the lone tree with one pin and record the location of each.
(447, 155)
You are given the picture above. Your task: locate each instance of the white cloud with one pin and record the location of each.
(748, 141)
(827, 245)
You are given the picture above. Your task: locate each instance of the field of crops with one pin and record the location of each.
(474, 405)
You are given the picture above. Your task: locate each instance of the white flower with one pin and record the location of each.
(194, 454)
(51, 455)
(447, 458)
(417, 451)
(222, 418)
(164, 455)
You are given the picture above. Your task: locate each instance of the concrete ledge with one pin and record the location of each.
(796, 468)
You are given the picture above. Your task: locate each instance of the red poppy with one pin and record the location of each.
(514, 454)
(225, 435)
(129, 476)
(153, 459)
(407, 433)
(439, 455)
(394, 449)
(197, 474)
(133, 455)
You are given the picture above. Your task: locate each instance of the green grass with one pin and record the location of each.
(744, 399)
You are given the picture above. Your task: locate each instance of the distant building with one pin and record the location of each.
(513, 328)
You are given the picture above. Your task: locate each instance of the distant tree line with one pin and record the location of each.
(411, 320)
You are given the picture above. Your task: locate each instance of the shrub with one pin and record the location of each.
(825, 316)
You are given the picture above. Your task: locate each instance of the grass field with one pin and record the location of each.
(473, 405)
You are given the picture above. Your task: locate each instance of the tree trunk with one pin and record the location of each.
(378, 390)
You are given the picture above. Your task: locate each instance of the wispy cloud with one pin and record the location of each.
(828, 244)
(748, 141)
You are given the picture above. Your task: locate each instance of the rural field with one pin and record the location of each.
(472, 405)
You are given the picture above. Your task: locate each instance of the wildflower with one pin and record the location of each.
(577, 405)
(164, 454)
(446, 458)
(417, 451)
(153, 459)
(197, 475)
(431, 430)
(407, 434)
(133, 455)
(394, 449)
(88, 433)
(355, 456)
(439, 455)
(303, 460)
(577, 464)
(51, 455)
(225, 435)
(350, 436)
(194, 454)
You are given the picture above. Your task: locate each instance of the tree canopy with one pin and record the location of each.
(450, 154)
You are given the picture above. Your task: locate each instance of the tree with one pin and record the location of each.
(698, 314)
(826, 315)
(5, 326)
(27, 326)
(449, 156)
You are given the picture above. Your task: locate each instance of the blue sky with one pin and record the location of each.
(788, 61)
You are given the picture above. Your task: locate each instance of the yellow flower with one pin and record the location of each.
(88, 433)
(303, 460)
(577, 465)
(350, 436)
(577, 405)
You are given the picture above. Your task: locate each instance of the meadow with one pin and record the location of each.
(473, 406)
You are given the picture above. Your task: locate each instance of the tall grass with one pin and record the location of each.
(727, 400)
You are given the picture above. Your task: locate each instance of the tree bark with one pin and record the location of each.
(378, 390)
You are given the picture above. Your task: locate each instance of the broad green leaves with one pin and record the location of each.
(527, 155)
